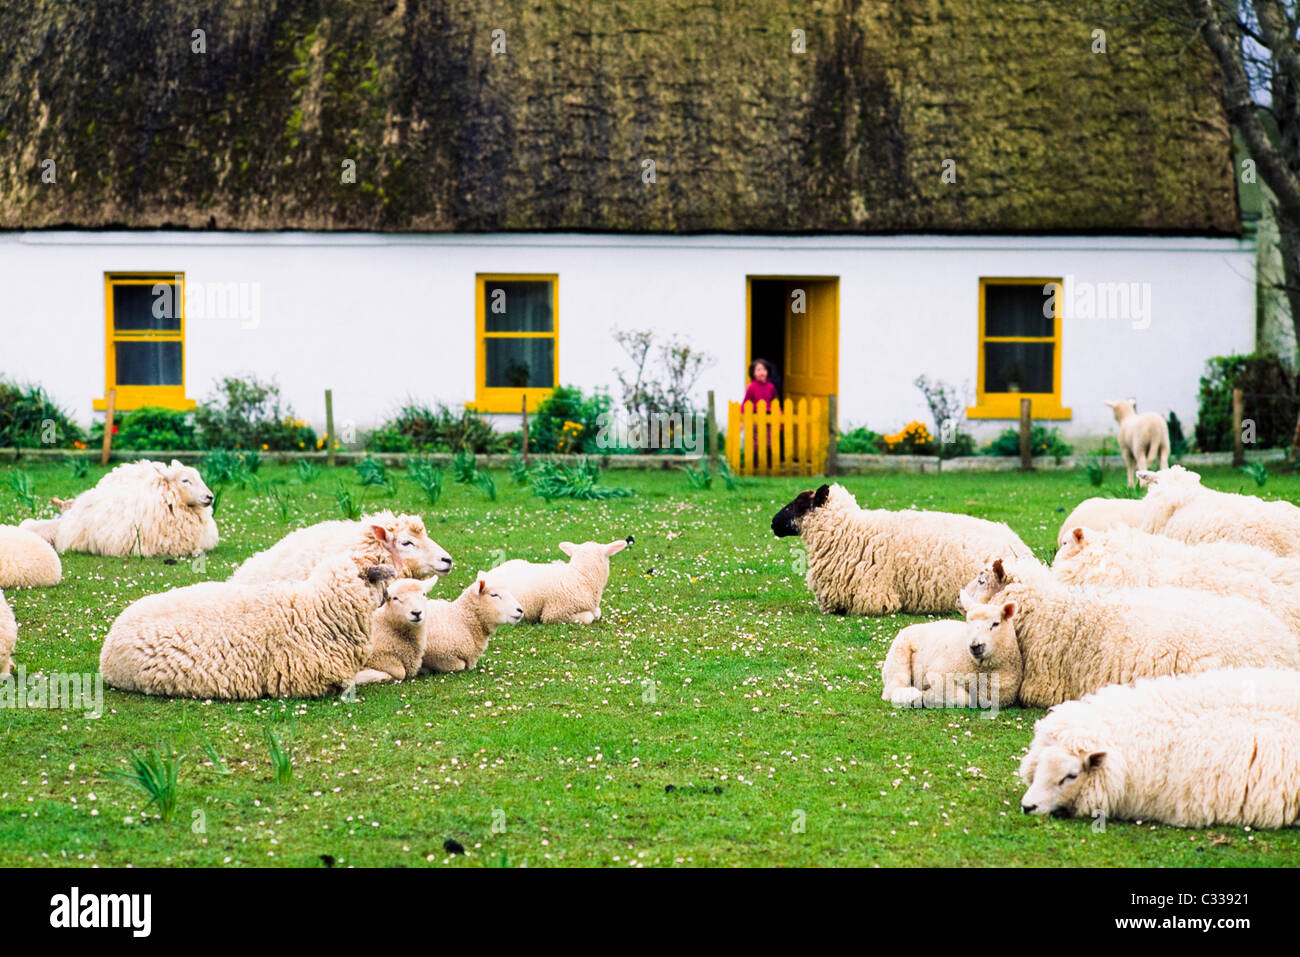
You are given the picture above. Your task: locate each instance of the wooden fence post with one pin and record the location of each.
(523, 411)
(1026, 431)
(833, 439)
(1238, 443)
(713, 435)
(329, 427)
(110, 407)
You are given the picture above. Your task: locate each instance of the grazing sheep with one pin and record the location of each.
(456, 632)
(1075, 639)
(27, 560)
(142, 508)
(8, 636)
(1128, 558)
(1191, 751)
(956, 664)
(875, 562)
(1142, 438)
(1179, 506)
(384, 536)
(397, 630)
(1102, 513)
(560, 592)
(237, 642)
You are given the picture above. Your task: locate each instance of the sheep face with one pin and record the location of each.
(789, 521)
(193, 492)
(495, 606)
(982, 589)
(594, 550)
(1072, 545)
(992, 634)
(405, 601)
(411, 548)
(1056, 778)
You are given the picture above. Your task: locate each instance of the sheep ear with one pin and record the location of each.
(568, 548)
(176, 464)
(613, 548)
(1094, 760)
(1009, 611)
(380, 533)
(1078, 535)
(1146, 478)
(997, 569)
(1110, 403)
(822, 495)
(482, 586)
(426, 586)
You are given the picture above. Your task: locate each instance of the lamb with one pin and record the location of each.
(1075, 639)
(397, 630)
(456, 633)
(1142, 438)
(1100, 514)
(876, 562)
(956, 664)
(27, 560)
(1178, 506)
(8, 636)
(560, 592)
(143, 508)
(240, 642)
(384, 536)
(1191, 751)
(1128, 558)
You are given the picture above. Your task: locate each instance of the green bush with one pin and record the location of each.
(246, 413)
(151, 428)
(1042, 441)
(552, 480)
(1177, 441)
(859, 441)
(546, 426)
(421, 428)
(28, 419)
(1270, 401)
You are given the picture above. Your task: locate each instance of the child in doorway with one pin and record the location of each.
(762, 385)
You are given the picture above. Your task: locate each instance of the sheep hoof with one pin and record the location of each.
(906, 698)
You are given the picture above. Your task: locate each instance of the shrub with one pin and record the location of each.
(582, 481)
(1177, 441)
(860, 441)
(371, 471)
(250, 414)
(151, 428)
(552, 427)
(464, 469)
(1042, 441)
(912, 439)
(422, 428)
(29, 419)
(224, 466)
(1270, 401)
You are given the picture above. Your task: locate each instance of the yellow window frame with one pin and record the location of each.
(499, 398)
(1006, 405)
(137, 396)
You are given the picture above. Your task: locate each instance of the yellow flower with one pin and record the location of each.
(264, 447)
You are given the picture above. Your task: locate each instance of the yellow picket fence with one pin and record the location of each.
(789, 439)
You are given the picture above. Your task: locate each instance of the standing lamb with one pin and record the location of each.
(238, 642)
(1142, 438)
(875, 562)
(1075, 639)
(397, 630)
(1179, 506)
(27, 560)
(560, 592)
(956, 664)
(1128, 558)
(400, 537)
(1102, 513)
(1191, 751)
(143, 508)
(456, 633)
(8, 636)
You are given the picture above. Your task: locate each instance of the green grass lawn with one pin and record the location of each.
(711, 717)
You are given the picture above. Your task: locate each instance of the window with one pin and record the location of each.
(1019, 349)
(145, 337)
(518, 347)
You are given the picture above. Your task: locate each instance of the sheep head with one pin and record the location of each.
(1057, 776)
(404, 600)
(188, 484)
(992, 634)
(493, 605)
(981, 589)
(1122, 408)
(409, 546)
(789, 520)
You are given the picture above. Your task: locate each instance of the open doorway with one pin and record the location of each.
(794, 323)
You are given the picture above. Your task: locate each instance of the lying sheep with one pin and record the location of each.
(1179, 506)
(1128, 558)
(236, 642)
(875, 562)
(1143, 438)
(27, 560)
(397, 631)
(8, 636)
(1075, 639)
(143, 508)
(456, 633)
(1102, 513)
(1191, 751)
(956, 664)
(560, 592)
(400, 539)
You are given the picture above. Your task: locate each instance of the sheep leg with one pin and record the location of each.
(1129, 464)
(897, 675)
(583, 618)
(372, 676)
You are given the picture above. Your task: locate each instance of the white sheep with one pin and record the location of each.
(955, 664)
(402, 538)
(561, 591)
(397, 631)
(1075, 639)
(876, 562)
(1191, 751)
(27, 560)
(1179, 506)
(237, 642)
(1143, 438)
(8, 636)
(1129, 558)
(456, 633)
(1102, 513)
(142, 508)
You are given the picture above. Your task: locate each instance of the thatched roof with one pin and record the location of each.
(746, 136)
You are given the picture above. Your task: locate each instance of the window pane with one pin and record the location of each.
(149, 363)
(520, 363)
(135, 307)
(1016, 311)
(1026, 364)
(517, 306)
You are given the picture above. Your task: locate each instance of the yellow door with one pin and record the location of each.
(812, 355)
